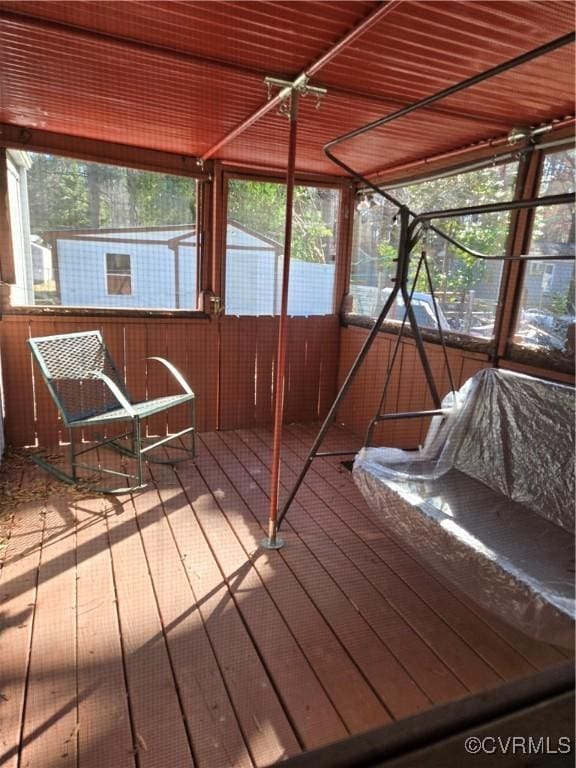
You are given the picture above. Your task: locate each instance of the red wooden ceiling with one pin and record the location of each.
(178, 76)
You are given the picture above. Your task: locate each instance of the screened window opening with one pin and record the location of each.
(466, 288)
(546, 315)
(92, 235)
(118, 274)
(254, 249)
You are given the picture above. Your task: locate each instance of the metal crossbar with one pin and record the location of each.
(88, 390)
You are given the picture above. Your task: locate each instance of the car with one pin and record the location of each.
(369, 300)
(423, 307)
(539, 318)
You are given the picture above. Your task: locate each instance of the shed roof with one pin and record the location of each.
(237, 235)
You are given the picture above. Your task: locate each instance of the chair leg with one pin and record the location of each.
(193, 425)
(138, 449)
(72, 455)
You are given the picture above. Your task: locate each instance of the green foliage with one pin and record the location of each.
(452, 269)
(261, 206)
(67, 193)
(559, 304)
(57, 194)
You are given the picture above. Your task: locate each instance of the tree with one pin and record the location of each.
(452, 269)
(261, 206)
(57, 194)
(74, 194)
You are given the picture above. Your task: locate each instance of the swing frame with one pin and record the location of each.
(412, 227)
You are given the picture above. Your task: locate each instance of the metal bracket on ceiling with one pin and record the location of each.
(517, 135)
(287, 87)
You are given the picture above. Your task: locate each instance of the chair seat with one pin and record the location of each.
(143, 410)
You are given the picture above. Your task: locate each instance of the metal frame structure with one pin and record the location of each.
(291, 91)
(412, 226)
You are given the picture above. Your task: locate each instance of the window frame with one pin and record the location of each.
(344, 187)
(139, 159)
(452, 338)
(500, 350)
(548, 360)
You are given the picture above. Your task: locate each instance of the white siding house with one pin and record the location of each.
(138, 268)
(156, 268)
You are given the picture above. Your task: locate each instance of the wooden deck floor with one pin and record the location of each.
(151, 631)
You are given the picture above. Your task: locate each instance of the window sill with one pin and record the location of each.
(106, 312)
(453, 340)
(547, 360)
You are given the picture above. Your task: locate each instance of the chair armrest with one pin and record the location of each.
(115, 391)
(176, 373)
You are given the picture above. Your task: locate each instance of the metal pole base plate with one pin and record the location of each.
(275, 543)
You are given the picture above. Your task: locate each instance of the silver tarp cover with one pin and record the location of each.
(488, 500)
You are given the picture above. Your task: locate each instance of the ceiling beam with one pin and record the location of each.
(363, 26)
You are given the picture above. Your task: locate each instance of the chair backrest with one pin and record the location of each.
(67, 362)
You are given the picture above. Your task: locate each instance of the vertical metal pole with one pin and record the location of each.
(193, 418)
(273, 542)
(73, 454)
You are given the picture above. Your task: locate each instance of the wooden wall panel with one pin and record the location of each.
(407, 390)
(266, 342)
(326, 348)
(300, 390)
(19, 419)
(156, 376)
(190, 343)
(135, 359)
(238, 342)
(248, 354)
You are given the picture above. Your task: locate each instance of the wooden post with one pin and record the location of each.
(7, 274)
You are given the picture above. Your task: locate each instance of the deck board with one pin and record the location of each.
(324, 579)
(49, 734)
(363, 577)
(210, 718)
(103, 712)
(315, 720)
(262, 720)
(18, 591)
(159, 734)
(152, 630)
(356, 703)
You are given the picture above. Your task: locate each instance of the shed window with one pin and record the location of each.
(118, 274)
(466, 288)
